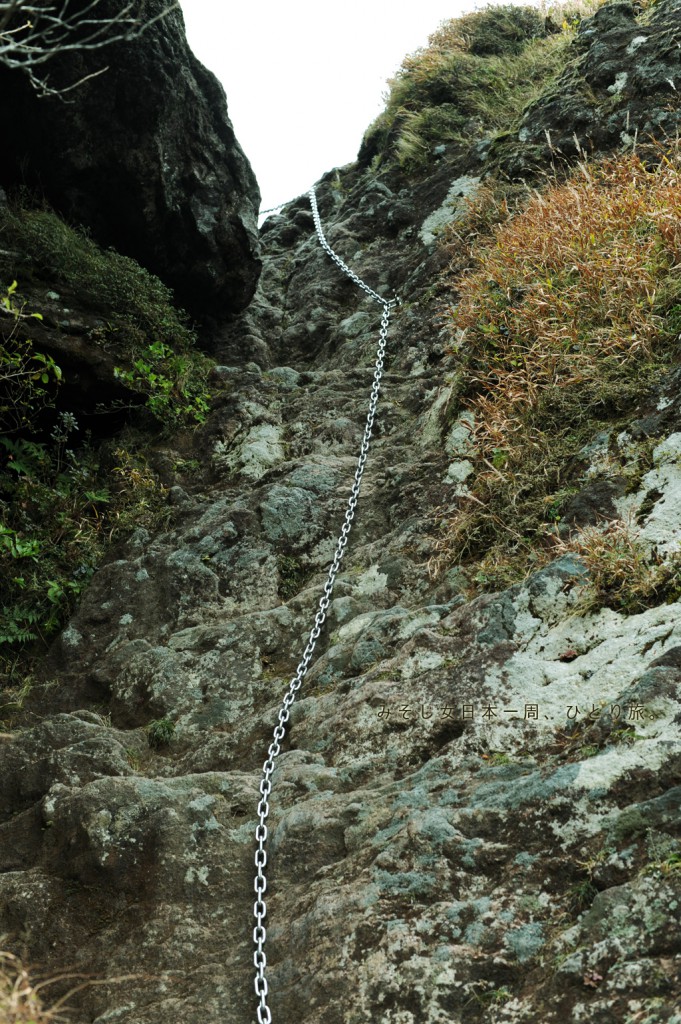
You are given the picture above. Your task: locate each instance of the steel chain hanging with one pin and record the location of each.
(259, 907)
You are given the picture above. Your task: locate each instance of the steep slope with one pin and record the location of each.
(475, 815)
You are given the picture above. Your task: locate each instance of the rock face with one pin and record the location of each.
(620, 86)
(475, 816)
(148, 161)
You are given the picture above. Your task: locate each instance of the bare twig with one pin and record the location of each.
(31, 35)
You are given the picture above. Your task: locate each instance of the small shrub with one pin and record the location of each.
(63, 496)
(150, 337)
(175, 384)
(160, 733)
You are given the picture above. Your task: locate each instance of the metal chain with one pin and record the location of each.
(336, 259)
(259, 908)
(273, 209)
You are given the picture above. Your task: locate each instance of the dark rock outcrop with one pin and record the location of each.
(621, 86)
(147, 161)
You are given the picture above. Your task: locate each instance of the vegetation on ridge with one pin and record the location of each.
(569, 313)
(482, 68)
(73, 481)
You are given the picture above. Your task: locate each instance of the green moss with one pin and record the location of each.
(138, 306)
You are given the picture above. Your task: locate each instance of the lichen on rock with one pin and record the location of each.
(475, 814)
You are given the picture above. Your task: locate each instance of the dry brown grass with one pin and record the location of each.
(23, 995)
(624, 574)
(585, 273)
(21, 1000)
(567, 313)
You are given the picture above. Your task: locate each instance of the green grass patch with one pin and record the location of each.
(486, 65)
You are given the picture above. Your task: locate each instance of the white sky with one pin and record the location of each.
(305, 78)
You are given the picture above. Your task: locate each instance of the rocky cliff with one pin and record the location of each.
(144, 155)
(475, 815)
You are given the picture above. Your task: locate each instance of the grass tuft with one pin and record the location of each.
(20, 999)
(22, 995)
(482, 68)
(624, 574)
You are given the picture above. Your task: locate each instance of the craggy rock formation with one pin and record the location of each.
(620, 85)
(429, 861)
(145, 156)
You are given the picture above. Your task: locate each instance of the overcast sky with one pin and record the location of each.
(304, 79)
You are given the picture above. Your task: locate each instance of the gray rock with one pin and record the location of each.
(475, 813)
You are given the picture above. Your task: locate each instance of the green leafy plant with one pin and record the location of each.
(626, 735)
(150, 337)
(496, 758)
(18, 624)
(175, 384)
(64, 497)
(160, 733)
(28, 379)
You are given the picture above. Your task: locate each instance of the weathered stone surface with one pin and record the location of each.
(618, 90)
(475, 816)
(148, 161)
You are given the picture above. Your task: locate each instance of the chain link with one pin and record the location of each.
(273, 209)
(260, 885)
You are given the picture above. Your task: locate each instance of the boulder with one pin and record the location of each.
(147, 160)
